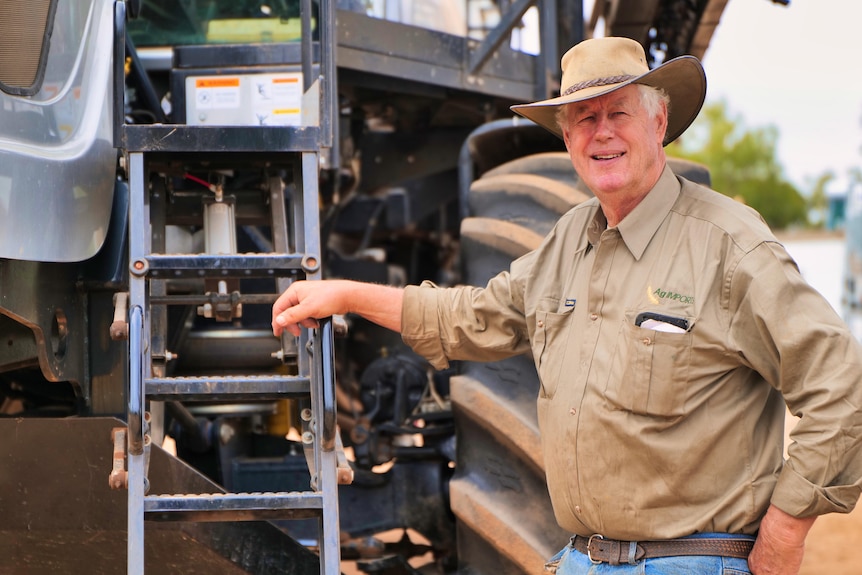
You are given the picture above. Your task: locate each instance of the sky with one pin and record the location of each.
(797, 68)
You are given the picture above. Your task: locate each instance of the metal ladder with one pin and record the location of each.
(296, 252)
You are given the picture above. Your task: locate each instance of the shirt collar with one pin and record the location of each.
(597, 226)
(641, 224)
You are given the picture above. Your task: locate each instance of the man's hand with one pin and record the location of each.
(780, 543)
(304, 302)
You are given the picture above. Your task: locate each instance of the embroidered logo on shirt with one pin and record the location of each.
(656, 295)
(570, 302)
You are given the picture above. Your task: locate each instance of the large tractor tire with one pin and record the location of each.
(499, 494)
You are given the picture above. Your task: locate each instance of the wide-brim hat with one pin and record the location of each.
(601, 65)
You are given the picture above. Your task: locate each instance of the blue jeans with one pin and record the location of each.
(572, 562)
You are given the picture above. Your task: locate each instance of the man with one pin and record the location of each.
(667, 325)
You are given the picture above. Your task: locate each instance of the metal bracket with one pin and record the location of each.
(119, 329)
(119, 477)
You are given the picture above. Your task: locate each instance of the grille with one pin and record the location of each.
(25, 34)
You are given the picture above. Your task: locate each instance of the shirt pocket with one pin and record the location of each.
(649, 371)
(549, 344)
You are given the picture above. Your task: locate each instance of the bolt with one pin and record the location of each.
(139, 267)
(305, 414)
(226, 433)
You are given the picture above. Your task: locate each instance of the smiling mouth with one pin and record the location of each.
(606, 156)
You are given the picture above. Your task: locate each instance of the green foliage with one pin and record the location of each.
(818, 203)
(743, 164)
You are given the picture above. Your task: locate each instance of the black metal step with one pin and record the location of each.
(222, 266)
(173, 138)
(231, 388)
(207, 507)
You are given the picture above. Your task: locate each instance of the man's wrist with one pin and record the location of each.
(784, 528)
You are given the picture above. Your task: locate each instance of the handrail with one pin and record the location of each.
(307, 54)
(501, 31)
(328, 42)
(119, 84)
(326, 357)
(136, 381)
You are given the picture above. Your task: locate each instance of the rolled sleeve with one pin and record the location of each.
(419, 326)
(465, 322)
(799, 497)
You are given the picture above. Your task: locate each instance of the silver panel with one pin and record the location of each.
(57, 161)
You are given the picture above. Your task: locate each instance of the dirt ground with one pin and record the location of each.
(834, 546)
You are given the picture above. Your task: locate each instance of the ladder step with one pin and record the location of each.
(167, 266)
(230, 388)
(233, 506)
(199, 139)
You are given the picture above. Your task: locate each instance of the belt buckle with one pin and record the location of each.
(589, 551)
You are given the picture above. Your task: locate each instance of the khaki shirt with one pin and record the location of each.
(652, 434)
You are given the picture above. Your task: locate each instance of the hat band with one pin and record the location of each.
(597, 82)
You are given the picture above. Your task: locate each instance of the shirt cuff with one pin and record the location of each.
(419, 323)
(799, 497)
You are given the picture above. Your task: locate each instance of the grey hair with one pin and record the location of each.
(651, 99)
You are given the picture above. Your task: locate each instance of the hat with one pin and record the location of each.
(601, 65)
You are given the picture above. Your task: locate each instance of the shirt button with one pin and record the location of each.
(578, 508)
(646, 341)
(540, 324)
(594, 316)
(573, 411)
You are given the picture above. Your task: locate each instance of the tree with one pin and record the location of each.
(743, 165)
(818, 203)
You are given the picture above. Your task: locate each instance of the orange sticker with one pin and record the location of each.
(217, 83)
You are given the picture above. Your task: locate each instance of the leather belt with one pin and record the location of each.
(601, 550)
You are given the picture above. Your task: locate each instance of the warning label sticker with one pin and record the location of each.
(214, 93)
(245, 100)
(277, 99)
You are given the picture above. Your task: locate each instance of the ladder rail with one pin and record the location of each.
(323, 460)
(139, 362)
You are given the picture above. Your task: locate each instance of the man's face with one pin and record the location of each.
(615, 146)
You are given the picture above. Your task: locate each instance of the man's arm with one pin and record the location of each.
(796, 341)
(780, 543)
(304, 302)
